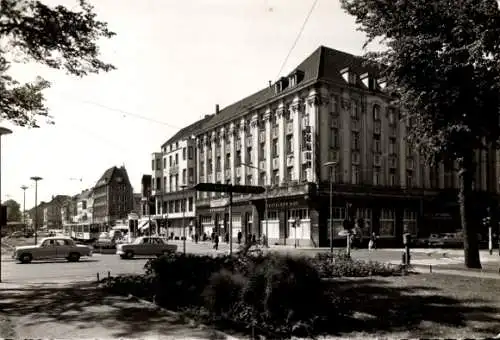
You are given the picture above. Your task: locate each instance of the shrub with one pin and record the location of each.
(341, 265)
(223, 292)
(138, 285)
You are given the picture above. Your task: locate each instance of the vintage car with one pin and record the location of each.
(52, 248)
(145, 246)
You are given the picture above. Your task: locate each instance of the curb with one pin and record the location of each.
(190, 322)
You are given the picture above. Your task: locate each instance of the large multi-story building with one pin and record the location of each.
(174, 170)
(112, 197)
(328, 120)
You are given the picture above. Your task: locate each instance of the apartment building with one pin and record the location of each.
(328, 120)
(174, 170)
(52, 218)
(112, 197)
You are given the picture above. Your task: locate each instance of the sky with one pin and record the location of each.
(175, 61)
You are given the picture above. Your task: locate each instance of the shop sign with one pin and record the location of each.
(219, 203)
(283, 205)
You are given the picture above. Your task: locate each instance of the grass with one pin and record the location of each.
(419, 306)
(6, 327)
(8, 244)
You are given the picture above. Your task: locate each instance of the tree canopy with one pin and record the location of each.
(56, 37)
(14, 213)
(442, 61)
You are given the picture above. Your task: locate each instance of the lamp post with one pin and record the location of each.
(183, 207)
(265, 203)
(3, 131)
(36, 179)
(331, 165)
(24, 187)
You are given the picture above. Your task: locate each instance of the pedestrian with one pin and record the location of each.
(240, 235)
(216, 242)
(372, 243)
(254, 239)
(196, 237)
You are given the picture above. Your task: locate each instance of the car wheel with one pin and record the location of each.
(129, 254)
(122, 257)
(26, 258)
(74, 257)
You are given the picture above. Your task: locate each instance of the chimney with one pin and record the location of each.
(270, 84)
(216, 109)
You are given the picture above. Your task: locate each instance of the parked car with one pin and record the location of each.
(435, 240)
(17, 234)
(52, 248)
(145, 246)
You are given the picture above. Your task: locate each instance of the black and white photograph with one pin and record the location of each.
(249, 169)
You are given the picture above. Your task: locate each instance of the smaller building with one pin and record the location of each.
(52, 218)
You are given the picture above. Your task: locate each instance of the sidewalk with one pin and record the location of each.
(81, 311)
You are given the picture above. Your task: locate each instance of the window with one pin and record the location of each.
(152, 164)
(289, 174)
(249, 180)
(191, 174)
(184, 172)
(376, 112)
(158, 164)
(190, 152)
(355, 174)
(176, 158)
(334, 138)
(183, 154)
(434, 177)
(392, 179)
(392, 116)
(227, 163)
(410, 221)
(289, 144)
(355, 141)
(355, 109)
(170, 160)
(274, 150)
(392, 146)
(376, 176)
(164, 162)
(409, 179)
(387, 222)
(190, 204)
(376, 144)
(165, 183)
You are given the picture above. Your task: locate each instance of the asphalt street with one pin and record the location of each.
(87, 268)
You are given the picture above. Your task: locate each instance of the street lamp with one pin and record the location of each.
(331, 165)
(36, 179)
(3, 131)
(183, 207)
(265, 203)
(24, 187)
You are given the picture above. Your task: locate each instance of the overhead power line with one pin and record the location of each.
(297, 38)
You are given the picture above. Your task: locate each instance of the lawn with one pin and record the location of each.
(419, 306)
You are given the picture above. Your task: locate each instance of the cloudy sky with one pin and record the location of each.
(175, 60)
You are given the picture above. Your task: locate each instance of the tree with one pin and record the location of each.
(441, 58)
(14, 213)
(56, 37)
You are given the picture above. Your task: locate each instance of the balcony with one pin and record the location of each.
(334, 156)
(217, 151)
(289, 160)
(276, 163)
(227, 173)
(249, 141)
(262, 137)
(289, 128)
(228, 148)
(262, 165)
(274, 132)
(174, 170)
(305, 122)
(238, 145)
(219, 176)
(306, 156)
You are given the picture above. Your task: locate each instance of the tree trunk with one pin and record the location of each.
(471, 246)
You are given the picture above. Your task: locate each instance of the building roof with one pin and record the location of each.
(189, 130)
(323, 64)
(110, 173)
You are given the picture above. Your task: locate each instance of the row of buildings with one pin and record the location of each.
(328, 121)
(97, 208)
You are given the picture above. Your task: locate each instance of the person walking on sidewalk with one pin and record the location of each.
(372, 244)
(216, 242)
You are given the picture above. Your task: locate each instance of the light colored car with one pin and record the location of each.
(59, 247)
(145, 246)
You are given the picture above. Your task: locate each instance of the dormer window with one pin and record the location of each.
(348, 75)
(382, 83)
(281, 85)
(369, 81)
(295, 78)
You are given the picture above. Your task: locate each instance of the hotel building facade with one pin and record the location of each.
(328, 120)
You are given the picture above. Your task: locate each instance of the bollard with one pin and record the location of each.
(98, 277)
(430, 268)
(109, 274)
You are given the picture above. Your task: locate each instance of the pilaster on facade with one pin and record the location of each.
(324, 130)
(402, 155)
(313, 102)
(232, 159)
(243, 142)
(268, 151)
(206, 150)
(255, 149)
(280, 114)
(295, 109)
(223, 154)
(213, 146)
(345, 117)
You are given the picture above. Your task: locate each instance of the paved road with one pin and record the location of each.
(87, 269)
